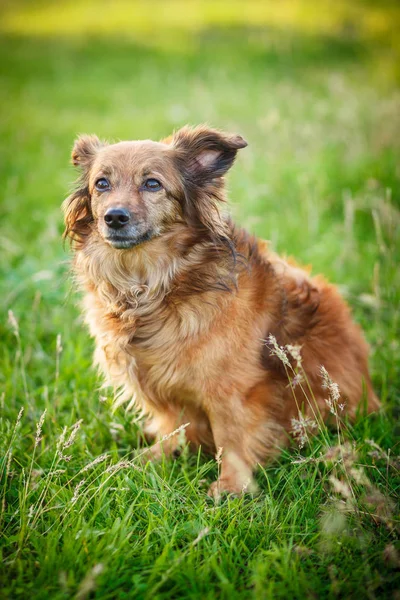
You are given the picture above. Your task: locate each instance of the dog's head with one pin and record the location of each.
(130, 192)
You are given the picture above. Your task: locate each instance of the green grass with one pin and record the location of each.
(315, 91)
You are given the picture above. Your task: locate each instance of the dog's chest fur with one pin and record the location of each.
(148, 340)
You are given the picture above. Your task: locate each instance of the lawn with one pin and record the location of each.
(314, 88)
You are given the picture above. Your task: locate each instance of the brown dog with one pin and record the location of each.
(180, 302)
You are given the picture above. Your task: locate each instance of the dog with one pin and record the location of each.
(190, 314)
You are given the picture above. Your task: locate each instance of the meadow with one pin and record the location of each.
(314, 89)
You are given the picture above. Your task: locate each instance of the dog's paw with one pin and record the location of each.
(156, 452)
(152, 454)
(224, 486)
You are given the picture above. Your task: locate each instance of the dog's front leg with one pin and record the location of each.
(228, 426)
(163, 429)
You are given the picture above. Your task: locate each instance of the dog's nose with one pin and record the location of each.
(117, 217)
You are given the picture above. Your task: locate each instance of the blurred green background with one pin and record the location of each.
(312, 86)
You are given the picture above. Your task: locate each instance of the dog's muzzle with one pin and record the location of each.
(117, 218)
(120, 232)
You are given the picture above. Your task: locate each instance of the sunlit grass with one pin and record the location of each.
(155, 20)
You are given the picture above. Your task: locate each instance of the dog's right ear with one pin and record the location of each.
(77, 207)
(77, 216)
(85, 150)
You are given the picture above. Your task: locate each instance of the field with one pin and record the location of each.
(314, 88)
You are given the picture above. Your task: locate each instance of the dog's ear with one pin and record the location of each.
(85, 150)
(77, 215)
(205, 154)
(77, 207)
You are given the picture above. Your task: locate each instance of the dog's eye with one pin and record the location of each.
(102, 184)
(152, 185)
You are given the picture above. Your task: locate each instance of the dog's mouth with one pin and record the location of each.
(124, 242)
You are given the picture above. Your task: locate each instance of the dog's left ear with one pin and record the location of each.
(205, 154)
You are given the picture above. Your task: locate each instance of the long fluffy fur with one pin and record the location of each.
(180, 321)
